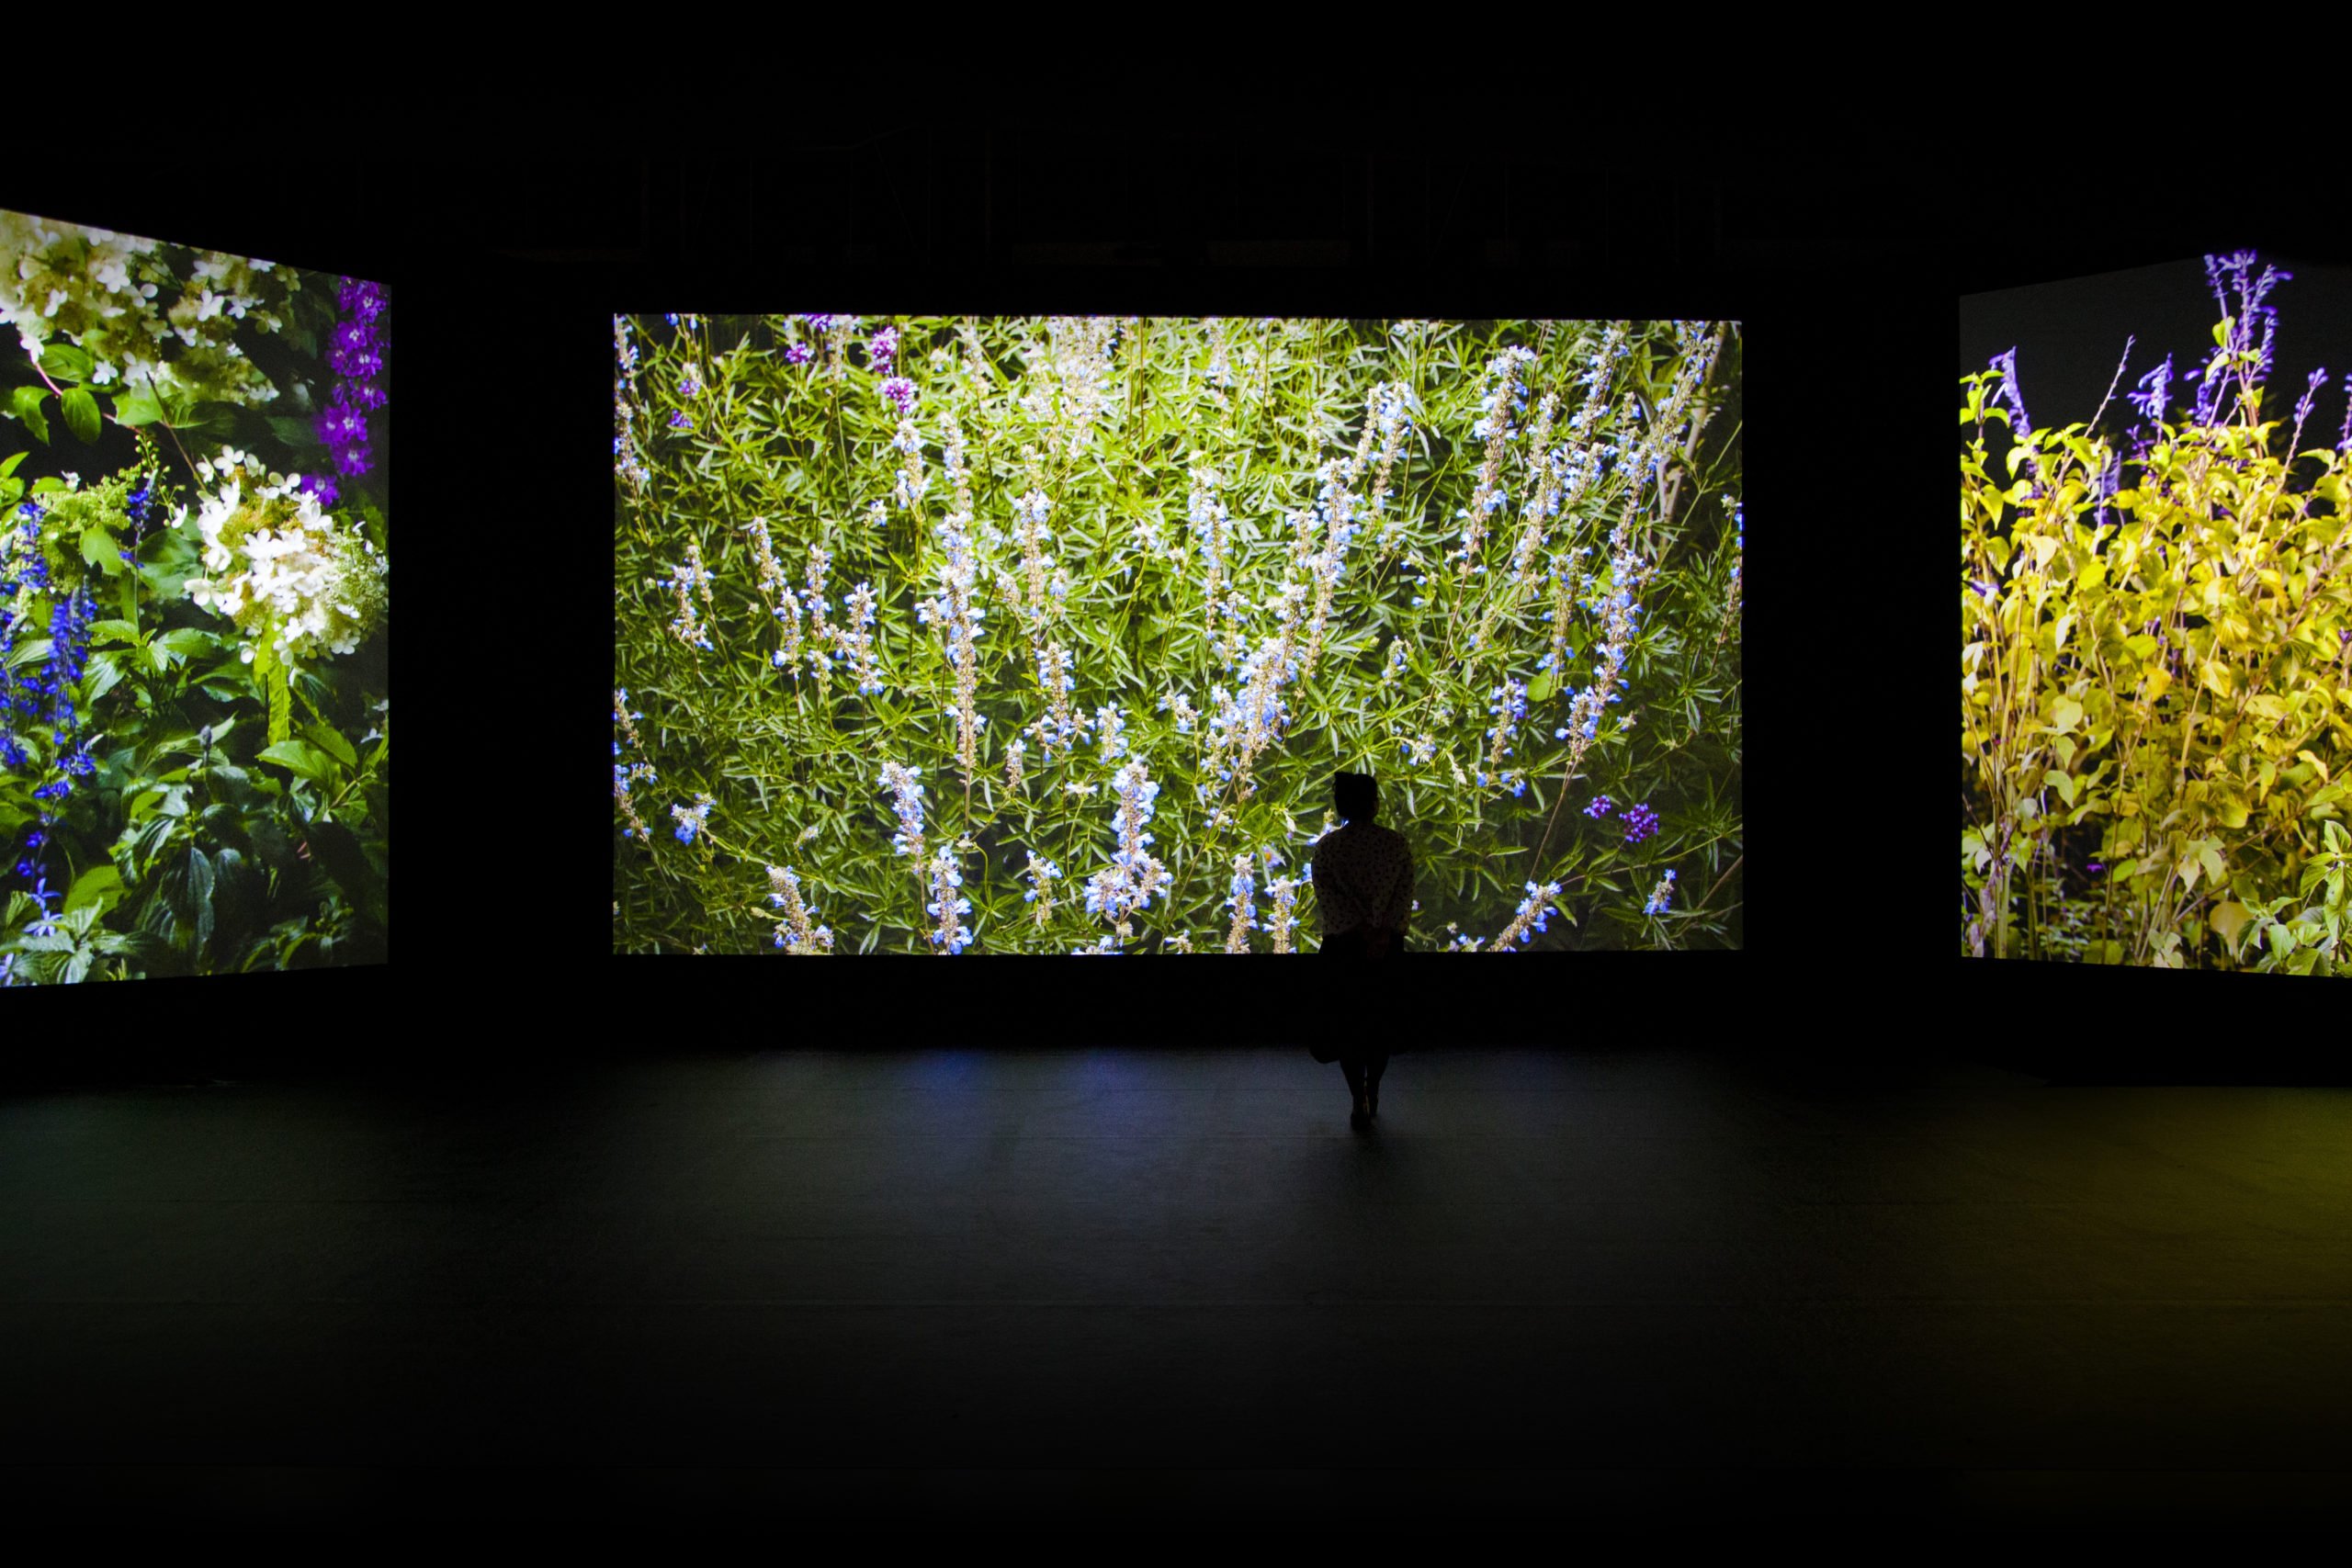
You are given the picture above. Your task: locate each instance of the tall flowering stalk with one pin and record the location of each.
(957, 616)
(1058, 729)
(1032, 511)
(820, 634)
(1242, 893)
(1509, 706)
(796, 933)
(1738, 548)
(1213, 528)
(907, 798)
(1080, 357)
(1126, 887)
(1494, 425)
(857, 640)
(1337, 511)
(1041, 876)
(951, 936)
(628, 461)
(626, 773)
(692, 574)
(776, 586)
(912, 480)
(1392, 403)
(1284, 918)
(1627, 575)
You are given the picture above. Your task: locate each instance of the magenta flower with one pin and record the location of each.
(901, 391)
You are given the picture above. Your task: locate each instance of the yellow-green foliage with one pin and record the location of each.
(2177, 676)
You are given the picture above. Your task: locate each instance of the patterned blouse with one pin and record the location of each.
(1363, 877)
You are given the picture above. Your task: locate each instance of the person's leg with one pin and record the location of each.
(1374, 1064)
(1352, 1068)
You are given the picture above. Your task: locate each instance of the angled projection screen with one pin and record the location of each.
(194, 716)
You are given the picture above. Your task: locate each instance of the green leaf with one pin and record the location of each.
(294, 432)
(2067, 713)
(2142, 646)
(2209, 854)
(101, 885)
(182, 644)
(106, 671)
(115, 631)
(24, 403)
(336, 849)
(1542, 687)
(8, 465)
(99, 549)
(330, 742)
(136, 408)
(294, 756)
(63, 362)
(82, 415)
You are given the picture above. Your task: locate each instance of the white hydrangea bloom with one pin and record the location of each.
(288, 573)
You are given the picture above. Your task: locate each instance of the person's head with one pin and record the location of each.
(1356, 797)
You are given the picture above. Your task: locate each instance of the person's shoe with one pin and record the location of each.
(1362, 1117)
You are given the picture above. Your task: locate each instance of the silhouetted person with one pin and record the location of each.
(1364, 897)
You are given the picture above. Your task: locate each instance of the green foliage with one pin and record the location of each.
(193, 845)
(2159, 686)
(1130, 437)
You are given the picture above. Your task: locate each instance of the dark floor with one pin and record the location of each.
(1119, 1281)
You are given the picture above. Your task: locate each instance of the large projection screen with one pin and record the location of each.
(1050, 635)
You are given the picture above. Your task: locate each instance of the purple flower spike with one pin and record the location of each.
(901, 391)
(2007, 364)
(2303, 409)
(2149, 398)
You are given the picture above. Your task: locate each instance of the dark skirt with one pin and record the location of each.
(1358, 1017)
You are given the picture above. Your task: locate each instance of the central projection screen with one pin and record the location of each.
(1050, 634)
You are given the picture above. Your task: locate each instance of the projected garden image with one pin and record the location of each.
(194, 725)
(950, 636)
(2157, 662)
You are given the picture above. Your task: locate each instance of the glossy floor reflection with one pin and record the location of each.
(1603, 1280)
